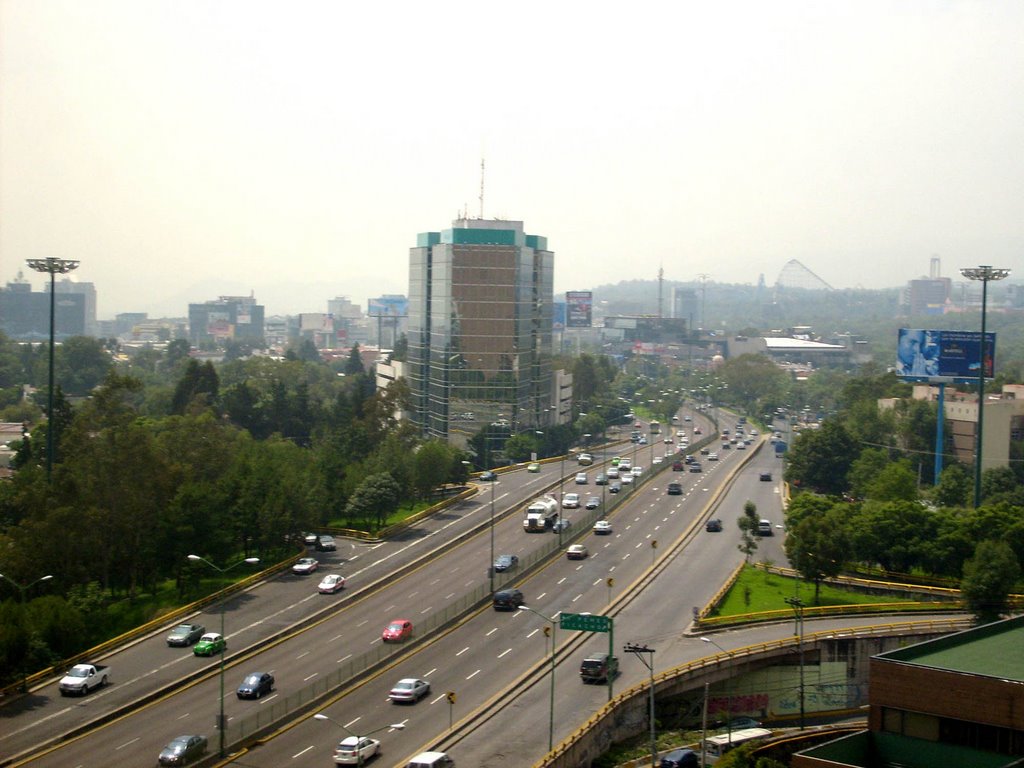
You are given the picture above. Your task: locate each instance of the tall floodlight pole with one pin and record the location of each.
(554, 647)
(221, 722)
(984, 274)
(798, 608)
(639, 651)
(22, 589)
(53, 267)
(728, 695)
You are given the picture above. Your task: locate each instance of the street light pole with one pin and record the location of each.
(52, 267)
(358, 738)
(728, 694)
(554, 646)
(22, 589)
(984, 274)
(798, 608)
(224, 642)
(639, 651)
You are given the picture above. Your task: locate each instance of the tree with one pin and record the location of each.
(748, 530)
(354, 364)
(989, 577)
(432, 465)
(817, 547)
(1001, 484)
(895, 482)
(864, 469)
(197, 387)
(375, 499)
(82, 363)
(821, 458)
(954, 487)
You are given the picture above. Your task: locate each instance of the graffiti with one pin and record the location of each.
(739, 704)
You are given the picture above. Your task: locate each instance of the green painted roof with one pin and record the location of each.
(993, 650)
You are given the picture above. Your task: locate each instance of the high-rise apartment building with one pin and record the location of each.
(480, 298)
(229, 317)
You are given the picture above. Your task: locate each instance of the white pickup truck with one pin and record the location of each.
(83, 678)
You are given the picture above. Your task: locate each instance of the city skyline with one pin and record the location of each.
(187, 151)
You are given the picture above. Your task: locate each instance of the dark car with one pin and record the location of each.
(593, 502)
(508, 600)
(255, 685)
(695, 467)
(614, 487)
(598, 668)
(601, 479)
(677, 466)
(766, 477)
(714, 526)
(506, 562)
(183, 750)
(674, 489)
(488, 476)
(561, 524)
(680, 758)
(185, 634)
(325, 543)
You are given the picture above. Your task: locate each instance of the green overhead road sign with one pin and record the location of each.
(584, 622)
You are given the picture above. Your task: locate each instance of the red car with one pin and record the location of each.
(396, 631)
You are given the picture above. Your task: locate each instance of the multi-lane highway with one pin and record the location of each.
(476, 669)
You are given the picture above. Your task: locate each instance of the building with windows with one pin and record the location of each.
(25, 314)
(229, 317)
(480, 302)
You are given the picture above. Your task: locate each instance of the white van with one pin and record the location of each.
(431, 760)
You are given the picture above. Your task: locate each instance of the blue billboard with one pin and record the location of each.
(923, 354)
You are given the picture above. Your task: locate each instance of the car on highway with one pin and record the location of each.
(508, 600)
(561, 524)
(680, 758)
(668, 439)
(627, 479)
(185, 634)
(533, 466)
(576, 552)
(356, 750)
(766, 477)
(409, 689)
(601, 479)
(584, 459)
(616, 460)
(506, 563)
(571, 501)
(613, 473)
(712, 457)
(657, 460)
(593, 502)
(305, 566)
(331, 583)
(325, 543)
(581, 478)
(309, 539)
(697, 431)
(431, 760)
(674, 489)
(696, 467)
(614, 487)
(714, 525)
(677, 466)
(602, 528)
(396, 631)
(183, 750)
(210, 644)
(739, 723)
(636, 471)
(254, 685)
(487, 476)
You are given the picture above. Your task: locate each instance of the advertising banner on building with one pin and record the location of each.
(579, 309)
(923, 354)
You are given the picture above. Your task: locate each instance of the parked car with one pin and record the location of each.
(571, 501)
(325, 543)
(183, 750)
(305, 566)
(409, 689)
(396, 631)
(506, 562)
(255, 685)
(576, 552)
(210, 644)
(593, 502)
(714, 525)
(533, 466)
(602, 528)
(355, 750)
(331, 583)
(185, 634)
(508, 600)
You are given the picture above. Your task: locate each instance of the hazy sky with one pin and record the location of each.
(189, 149)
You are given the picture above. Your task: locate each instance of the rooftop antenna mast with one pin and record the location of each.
(481, 187)
(661, 291)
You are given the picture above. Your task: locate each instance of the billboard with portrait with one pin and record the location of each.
(923, 354)
(578, 309)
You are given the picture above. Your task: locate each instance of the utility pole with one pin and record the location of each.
(640, 651)
(798, 608)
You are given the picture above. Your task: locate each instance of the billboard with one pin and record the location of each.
(923, 354)
(578, 309)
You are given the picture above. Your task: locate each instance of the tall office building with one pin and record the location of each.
(480, 299)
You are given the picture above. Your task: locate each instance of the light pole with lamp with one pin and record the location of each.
(53, 267)
(224, 642)
(640, 651)
(490, 568)
(22, 589)
(554, 647)
(358, 737)
(985, 275)
(728, 695)
(798, 608)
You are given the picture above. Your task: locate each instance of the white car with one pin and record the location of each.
(576, 552)
(305, 566)
(332, 583)
(636, 471)
(712, 457)
(627, 479)
(571, 501)
(581, 478)
(613, 473)
(347, 752)
(602, 527)
(409, 689)
(657, 460)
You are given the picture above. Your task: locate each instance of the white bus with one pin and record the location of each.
(655, 427)
(716, 746)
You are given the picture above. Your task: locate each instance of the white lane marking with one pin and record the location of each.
(611, 569)
(265, 699)
(505, 652)
(346, 656)
(128, 743)
(361, 623)
(625, 556)
(304, 653)
(439, 698)
(182, 717)
(473, 675)
(431, 672)
(577, 598)
(596, 583)
(561, 580)
(353, 722)
(532, 634)
(578, 567)
(462, 651)
(491, 632)
(426, 610)
(449, 596)
(300, 754)
(639, 544)
(307, 679)
(541, 596)
(336, 637)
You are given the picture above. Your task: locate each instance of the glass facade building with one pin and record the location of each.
(480, 302)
